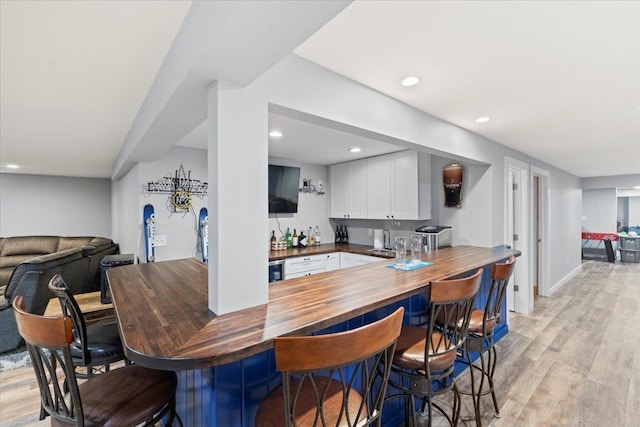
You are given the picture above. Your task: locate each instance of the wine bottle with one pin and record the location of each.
(294, 239)
(317, 232)
(337, 238)
(345, 238)
(274, 241)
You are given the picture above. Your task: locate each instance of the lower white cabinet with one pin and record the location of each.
(304, 266)
(346, 260)
(314, 264)
(365, 259)
(333, 261)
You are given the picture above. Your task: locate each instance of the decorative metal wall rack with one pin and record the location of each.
(181, 187)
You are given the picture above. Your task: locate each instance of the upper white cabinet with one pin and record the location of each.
(379, 191)
(399, 186)
(348, 189)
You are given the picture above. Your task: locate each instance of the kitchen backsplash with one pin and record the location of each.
(361, 230)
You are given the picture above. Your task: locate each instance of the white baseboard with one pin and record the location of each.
(564, 280)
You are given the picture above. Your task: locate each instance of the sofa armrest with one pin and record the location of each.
(42, 264)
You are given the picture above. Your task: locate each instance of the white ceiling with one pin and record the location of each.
(560, 80)
(73, 75)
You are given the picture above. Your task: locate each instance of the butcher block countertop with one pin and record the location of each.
(326, 248)
(165, 323)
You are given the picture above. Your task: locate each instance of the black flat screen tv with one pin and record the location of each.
(284, 184)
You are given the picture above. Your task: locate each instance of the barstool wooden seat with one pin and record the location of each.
(332, 380)
(424, 360)
(129, 396)
(481, 337)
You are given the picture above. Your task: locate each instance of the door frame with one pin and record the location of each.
(543, 207)
(523, 299)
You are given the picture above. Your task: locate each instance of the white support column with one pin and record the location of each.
(238, 219)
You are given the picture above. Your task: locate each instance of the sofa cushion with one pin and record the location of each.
(101, 243)
(73, 242)
(29, 245)
(5, 274)
(10, 261)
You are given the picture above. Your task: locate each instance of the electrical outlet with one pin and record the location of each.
(160, 240)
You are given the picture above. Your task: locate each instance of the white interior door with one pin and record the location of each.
(517, 231)
(509, 233)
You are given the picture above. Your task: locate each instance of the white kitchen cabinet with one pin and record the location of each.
(306, 273)
(348, 189)
(304, 266)
(332, 261)
(399, 186)
(359, 259)
(346, 259)
(379, 187)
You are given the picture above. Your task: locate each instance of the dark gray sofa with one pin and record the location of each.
(27, 263)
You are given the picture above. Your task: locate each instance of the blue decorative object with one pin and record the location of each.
(410, 266)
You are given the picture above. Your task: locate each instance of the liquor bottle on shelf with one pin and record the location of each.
(337, 238)
(287, 238)
(274, 241)
(294, 239)
(317, 233)
(345, 236)
(302, 240)
(311, 238)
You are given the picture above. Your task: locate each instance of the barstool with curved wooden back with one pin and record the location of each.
(332, 380)
(423, 365)
(123, 397)
(481, 337)
(95, 346)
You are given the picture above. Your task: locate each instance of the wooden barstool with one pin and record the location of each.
(95, 347)
(332, 380)
(481, 337)
(128, 396)
(423, 365)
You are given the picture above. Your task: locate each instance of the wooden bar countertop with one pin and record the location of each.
(165, 322)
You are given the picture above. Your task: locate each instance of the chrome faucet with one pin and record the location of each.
(387, 239)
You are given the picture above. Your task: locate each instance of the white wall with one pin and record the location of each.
(634, 211)
(470, 222)
(178, 227)
(616, 181)
(599, 210)
(126, 212)
(313, 209)
(565, 202)
(54, 205)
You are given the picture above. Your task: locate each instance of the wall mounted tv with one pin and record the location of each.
(284, 184)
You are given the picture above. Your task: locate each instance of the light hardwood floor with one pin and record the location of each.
(573, 361)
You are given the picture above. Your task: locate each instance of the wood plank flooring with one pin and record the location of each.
(574, 361)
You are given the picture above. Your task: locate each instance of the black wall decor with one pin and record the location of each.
(452, 181)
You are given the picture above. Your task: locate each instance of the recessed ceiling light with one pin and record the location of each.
(13, 166)
(355, 149)
(275, 133)
(410, 81)
(483, 119)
